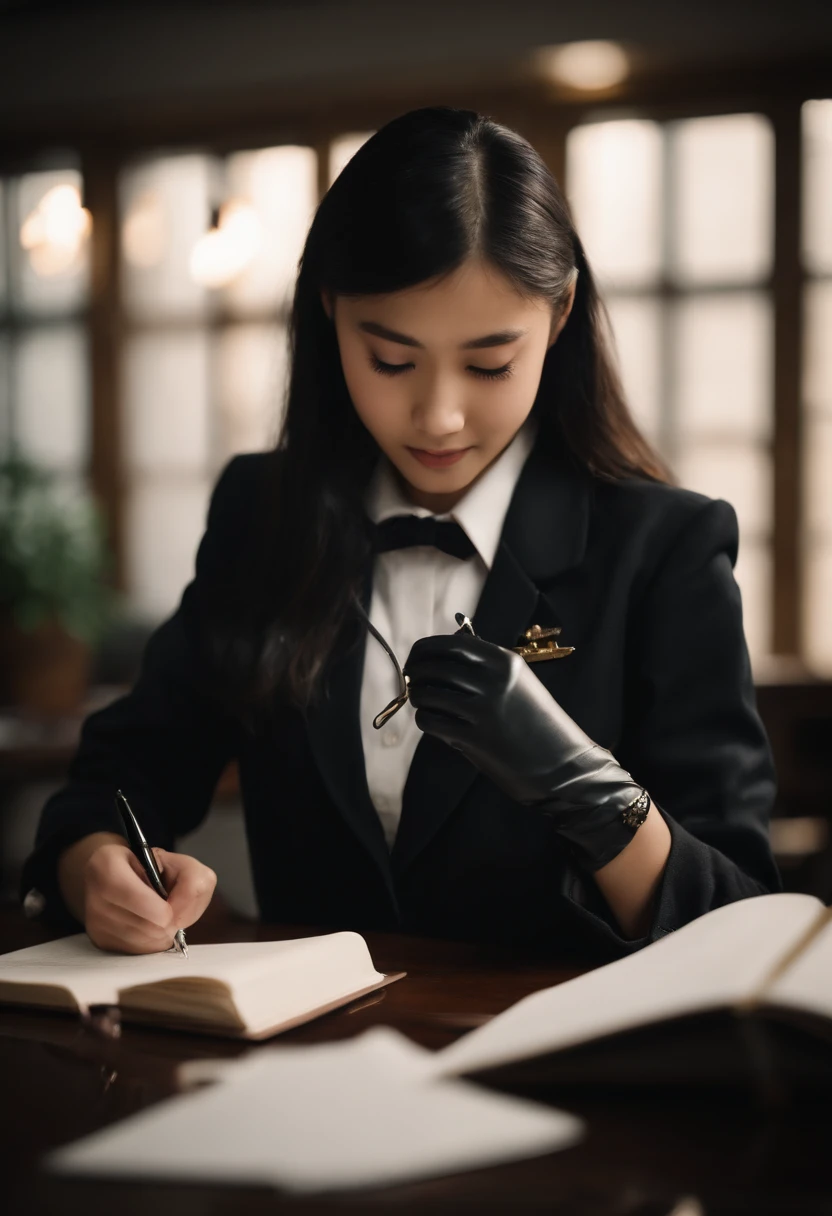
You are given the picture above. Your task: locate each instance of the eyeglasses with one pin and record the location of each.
(404, 681)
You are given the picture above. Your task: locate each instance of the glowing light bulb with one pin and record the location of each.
(225, 251)
(55, 231)
(585, 66)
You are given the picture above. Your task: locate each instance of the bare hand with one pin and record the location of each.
(123, 912)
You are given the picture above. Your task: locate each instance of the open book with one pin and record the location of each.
(760, 968)
(247, 990)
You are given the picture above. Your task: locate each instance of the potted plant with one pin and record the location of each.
(55, 602)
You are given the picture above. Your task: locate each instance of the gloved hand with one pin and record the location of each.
(485, 701)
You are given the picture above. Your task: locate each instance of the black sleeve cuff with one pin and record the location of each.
(40, 876)
(696, 879)
(90, 811)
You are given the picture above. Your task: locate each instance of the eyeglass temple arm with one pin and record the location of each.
(396, 704)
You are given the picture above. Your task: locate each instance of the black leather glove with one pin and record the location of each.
(484, 701)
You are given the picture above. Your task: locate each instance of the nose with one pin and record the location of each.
(439, 411)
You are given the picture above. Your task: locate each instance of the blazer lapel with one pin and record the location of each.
(334, 732)
(544, 533)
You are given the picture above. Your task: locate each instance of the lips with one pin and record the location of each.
(438, 460)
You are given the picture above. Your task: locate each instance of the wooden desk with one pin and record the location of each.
(641, 1157)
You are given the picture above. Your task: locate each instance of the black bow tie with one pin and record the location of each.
(402, 531)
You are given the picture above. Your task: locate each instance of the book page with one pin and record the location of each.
(358, 1113)
(807, 983)
(301, 975)
(715, 961)
(264, 976)
(93, 976)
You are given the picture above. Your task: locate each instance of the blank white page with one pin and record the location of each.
(358, 1113)
(714, 961)
(807, 982)
(97, 976)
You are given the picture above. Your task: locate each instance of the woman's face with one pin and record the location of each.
(452, 367)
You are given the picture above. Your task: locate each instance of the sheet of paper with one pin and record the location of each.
(359, 1113)
(807, 984)
(712, 962)
(96, 976)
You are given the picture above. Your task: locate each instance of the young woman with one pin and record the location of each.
(449, 361)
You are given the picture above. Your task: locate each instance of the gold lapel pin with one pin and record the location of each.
(532, 651)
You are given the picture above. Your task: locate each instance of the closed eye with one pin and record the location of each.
(485, 373)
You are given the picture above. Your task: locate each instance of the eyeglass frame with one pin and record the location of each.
(396, 704)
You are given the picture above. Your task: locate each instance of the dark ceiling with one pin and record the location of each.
(112, 56)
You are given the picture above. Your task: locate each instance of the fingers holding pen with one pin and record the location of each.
(121, 911)
(115, 873)
(190, 886)
(117, 928)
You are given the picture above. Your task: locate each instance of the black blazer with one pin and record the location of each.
(639, 577)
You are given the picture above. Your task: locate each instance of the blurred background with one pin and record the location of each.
(159, 167)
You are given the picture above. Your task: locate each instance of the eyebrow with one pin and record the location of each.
(502, 338)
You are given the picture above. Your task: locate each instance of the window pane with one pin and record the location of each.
(614, 173)
(49, 242)
(51, 407)
(817, 186)
(741, 475)
(817, 617)
(817, 500)
(4, 240)
(722, 198)
(753, 573)
(5, 392)
(817, 486)
(166, 208)
(250, 372)
(165, 395)
(281, 184)
(817, 384)
(164, 522)
(817, 436)
(723, 365)
(343, 149)
(636, 324)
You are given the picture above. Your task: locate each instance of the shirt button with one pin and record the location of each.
(390, 738)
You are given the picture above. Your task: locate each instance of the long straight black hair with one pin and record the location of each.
(429, 190)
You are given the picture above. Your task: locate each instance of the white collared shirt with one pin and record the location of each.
(416, 592)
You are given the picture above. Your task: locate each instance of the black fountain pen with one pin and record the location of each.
(138, 843)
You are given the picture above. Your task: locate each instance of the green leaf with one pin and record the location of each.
(54, 561)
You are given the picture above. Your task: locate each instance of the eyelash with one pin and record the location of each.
(395, 369)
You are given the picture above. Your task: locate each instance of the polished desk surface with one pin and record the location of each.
(646, 1155)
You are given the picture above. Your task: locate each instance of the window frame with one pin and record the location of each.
(775, 89)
